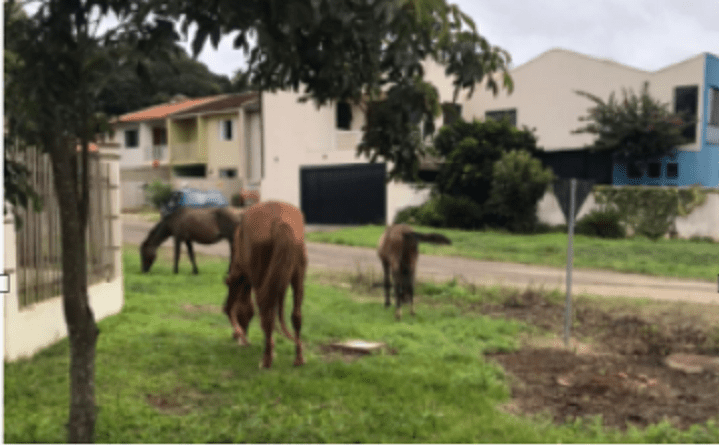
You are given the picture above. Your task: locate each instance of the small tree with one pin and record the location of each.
(634, 129)
(518, 183)
(470, 150)
(158, 193)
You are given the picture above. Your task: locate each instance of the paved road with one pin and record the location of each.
(595, 282)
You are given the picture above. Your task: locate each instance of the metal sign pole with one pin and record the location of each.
(570, 260)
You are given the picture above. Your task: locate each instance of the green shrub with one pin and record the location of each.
(158, 193)
(443, 211)
(650, 211)
(601, 223)
(518, 183)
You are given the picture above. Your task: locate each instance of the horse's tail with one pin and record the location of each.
(280, 269)
(433, 238)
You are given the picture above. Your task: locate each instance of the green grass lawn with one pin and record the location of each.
(168, 371)
(670, 258)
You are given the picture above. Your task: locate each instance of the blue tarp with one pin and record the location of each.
(188, 197)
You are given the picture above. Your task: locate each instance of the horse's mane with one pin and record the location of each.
(159, 232)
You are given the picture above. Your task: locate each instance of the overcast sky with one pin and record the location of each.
(645, 34)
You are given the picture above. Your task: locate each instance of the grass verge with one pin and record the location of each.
(670, 258)
(169, 372)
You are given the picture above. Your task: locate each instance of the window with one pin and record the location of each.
(191, 171)
(714, 106)
(228, 173)
(344, 116)
(685, 101)
(655, 170)
(633, 171)
(451, 113)
(498, 115)
(132, 139)
(226, 130)
(672, 170)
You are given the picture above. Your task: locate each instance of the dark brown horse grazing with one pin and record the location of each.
(268, 254)
(204, 225)
(398, 252)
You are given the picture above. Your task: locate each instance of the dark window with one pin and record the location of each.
(132, 139)
(498, 115)
(714, 104)
(226, 130)
(685, 101)
(159, 136)
(228, 173)
(655, 170)
(672, 170)
(451, 113)
(191, 171)
(633, 171)
(344, 116)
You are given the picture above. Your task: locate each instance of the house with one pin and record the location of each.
(544, 98)
(310, 160)
(207, 143)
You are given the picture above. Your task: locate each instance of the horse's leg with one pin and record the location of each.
(410, 292)
(397, 278)
(298, 292)
(177, 253)
(191, 254)
(387, 284)
(240, 313)
(267, 320)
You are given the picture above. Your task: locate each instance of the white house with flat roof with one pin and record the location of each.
(545, 98)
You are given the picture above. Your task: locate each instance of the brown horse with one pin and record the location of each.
(203, 225)
(268, 254)
(398, 252)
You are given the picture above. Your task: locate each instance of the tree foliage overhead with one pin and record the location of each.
(353, 50)
(125, 90)
(637, 127)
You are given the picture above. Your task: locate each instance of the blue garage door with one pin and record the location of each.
(346, 194)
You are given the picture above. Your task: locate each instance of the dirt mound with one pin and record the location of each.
(624, 377)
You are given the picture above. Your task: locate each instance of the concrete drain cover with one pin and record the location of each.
(357, 346)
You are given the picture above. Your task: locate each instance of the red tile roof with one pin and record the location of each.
(221, 103)
(163, 110)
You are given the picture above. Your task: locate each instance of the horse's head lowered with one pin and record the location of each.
(147, 256)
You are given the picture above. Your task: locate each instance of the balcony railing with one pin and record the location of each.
(156, 152)
(185, 152)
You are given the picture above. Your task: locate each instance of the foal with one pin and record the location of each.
(398, 252)
(268, 255)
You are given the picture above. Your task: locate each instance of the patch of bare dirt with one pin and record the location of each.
(202, 308)
(181, 401)
(629, 369)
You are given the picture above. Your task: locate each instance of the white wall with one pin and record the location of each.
(34, 327)
(703, 221)
(544, 92)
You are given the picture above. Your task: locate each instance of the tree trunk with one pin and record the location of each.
(82, 330)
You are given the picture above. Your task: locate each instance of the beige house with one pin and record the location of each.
(205, 143)
(311, 161)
